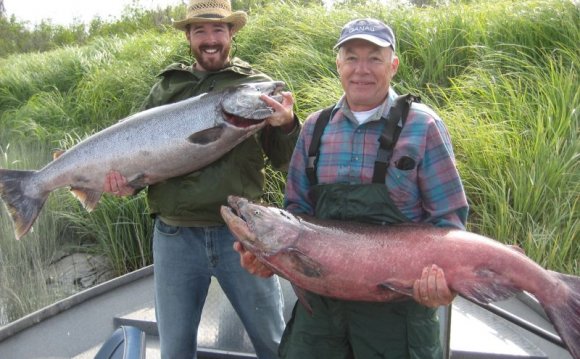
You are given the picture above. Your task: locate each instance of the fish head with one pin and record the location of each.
(242, 103)
(263, 230)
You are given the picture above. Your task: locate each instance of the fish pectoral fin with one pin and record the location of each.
(396, 286)
(207, 136)
(301, 295)
(304, 264)
(88, 198)
(138, 182)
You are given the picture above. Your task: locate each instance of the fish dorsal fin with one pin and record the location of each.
(304, 264)
(207, 136)
(57, 153)
(87, 197)
(517, 249)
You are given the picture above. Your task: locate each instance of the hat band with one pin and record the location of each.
(211, 16)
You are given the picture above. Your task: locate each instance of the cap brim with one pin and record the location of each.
(375, 40)
(238, 19)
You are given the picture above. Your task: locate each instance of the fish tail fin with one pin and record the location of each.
(23, 209)
(565, 315)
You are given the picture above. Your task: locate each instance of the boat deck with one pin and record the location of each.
(78, 326)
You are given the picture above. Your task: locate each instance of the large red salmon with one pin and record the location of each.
(355, 261)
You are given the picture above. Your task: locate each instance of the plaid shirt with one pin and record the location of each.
(422, 178)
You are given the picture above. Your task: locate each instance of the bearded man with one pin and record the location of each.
(191, 242)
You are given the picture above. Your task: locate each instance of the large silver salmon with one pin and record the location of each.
(355, 261)
(147, 147)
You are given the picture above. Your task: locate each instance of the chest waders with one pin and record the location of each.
(339, 329)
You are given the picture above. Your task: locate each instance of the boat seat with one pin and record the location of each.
(127, 342)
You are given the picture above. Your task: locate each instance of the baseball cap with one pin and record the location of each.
(371, 30)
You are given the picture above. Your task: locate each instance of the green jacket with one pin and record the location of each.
(194, 200)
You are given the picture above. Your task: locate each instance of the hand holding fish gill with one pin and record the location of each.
(431, 290)
(283, 115)
(251, 263)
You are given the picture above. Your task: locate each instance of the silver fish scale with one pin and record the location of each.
(153, 143)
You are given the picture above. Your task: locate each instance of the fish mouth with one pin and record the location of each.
(276, 93)
(236, 222)
(236, 204)
(242, 122)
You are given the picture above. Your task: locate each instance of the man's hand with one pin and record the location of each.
(283, 115)
(251, 263)
(116, 184)
(432, 290)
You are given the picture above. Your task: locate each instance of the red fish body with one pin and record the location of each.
(365, 262)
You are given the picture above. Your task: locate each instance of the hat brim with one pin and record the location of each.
(238, 19)
(375, 40)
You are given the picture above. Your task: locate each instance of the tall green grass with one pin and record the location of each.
(24, 279)
(118, 229)
(502, 74)
(515, 129)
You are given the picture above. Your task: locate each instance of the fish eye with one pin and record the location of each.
(257, 212)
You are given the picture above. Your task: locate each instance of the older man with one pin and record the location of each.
(357, 176)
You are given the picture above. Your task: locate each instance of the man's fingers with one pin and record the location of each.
(442, 290)
(251, 263)
(431, 289)
(117, 184)
(287, 99)
(424, 285)
(276, 106)
(238, 247)
(111, 182)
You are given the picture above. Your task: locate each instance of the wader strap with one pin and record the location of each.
(390, 135)
(387, 140)
(313, 150)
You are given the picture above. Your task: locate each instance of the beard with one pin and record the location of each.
(212, 61)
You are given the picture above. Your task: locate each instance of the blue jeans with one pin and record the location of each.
(185, 259)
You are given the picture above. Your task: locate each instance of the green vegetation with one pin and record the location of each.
(502, 74)
(21, 37)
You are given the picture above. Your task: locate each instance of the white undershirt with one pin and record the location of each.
(363, 116)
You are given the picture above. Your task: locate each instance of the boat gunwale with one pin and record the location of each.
(67, 303)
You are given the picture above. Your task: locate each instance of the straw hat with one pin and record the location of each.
(199, 11)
